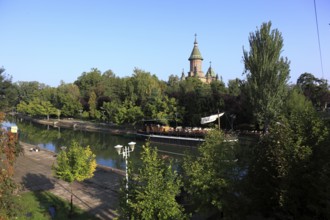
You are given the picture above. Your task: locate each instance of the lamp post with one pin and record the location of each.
(125, 151)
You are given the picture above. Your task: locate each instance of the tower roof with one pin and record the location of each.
(195, 53)
(210, 72)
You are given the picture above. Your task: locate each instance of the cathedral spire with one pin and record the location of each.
(195, 53)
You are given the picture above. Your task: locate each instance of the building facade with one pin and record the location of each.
(196, 63)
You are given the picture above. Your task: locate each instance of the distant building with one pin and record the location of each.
(196, 61)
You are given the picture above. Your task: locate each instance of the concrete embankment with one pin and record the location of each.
(82, 125)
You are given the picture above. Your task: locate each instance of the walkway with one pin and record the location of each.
(98, 195)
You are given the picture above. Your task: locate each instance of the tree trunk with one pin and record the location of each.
(71, 203)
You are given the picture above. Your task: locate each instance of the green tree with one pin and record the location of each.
(268, 172)
(288, 171)
(9, 151)
(152, 190)
(216, 102)
(145, 85)
(8, 95)
(92, 102)
(161, 108)
(267, 74)
(211, 176)
(28, 90)
(296, 102)
(173, 86)
(316, 90)
(46, 109)
(68, 99)
(308, 189)
(37, 107)
(23, 108)
(194, 98)
(90, 82)
(114, 87)
(74, 164)
(234, 87)
(133, 113)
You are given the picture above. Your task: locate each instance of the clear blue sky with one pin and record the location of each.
(49, 41)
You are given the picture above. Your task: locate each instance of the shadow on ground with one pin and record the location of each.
(107, 184)
(37, 182)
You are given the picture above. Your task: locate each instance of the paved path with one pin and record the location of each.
(98, 195)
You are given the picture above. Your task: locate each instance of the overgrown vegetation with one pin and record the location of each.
(46, 206)
(9, 150)
(152, 190)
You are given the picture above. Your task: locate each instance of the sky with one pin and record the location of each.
(57, 40)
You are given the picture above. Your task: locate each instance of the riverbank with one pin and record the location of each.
(78, 124)
(98, 195)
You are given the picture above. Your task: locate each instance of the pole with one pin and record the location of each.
(126, 162)
(219, 119)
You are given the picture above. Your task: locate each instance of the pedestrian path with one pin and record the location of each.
(98, 195)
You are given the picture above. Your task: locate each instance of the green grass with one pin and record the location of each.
(35, 205)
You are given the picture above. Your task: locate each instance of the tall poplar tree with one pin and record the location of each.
(267, 74)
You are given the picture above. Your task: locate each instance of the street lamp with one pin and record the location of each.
(125, 150)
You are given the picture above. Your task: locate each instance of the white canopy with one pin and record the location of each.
(211, 118)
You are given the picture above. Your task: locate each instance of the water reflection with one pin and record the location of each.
(101, 143)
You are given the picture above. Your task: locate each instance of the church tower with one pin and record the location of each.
(196, 61)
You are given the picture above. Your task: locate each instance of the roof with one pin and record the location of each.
(195, 53)
(210, 72)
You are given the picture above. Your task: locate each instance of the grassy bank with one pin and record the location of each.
(39, 205)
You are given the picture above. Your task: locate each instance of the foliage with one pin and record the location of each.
(113, 86)
(122, 113)
(28, 90)
(316, 90)
(92, 103)
(96, 95)
(8, 95)
(296, 102)
(89, 82)
(308, 190)
(288, 171)
(75, 164)
(35, 205)
(210, 177)
(194, 98)
(37, 107)
(234, 87)
(267, 73)
(68, 99)
(144, 85)
(152, 190)
(161, 108)
(9, 151)
(269, 168)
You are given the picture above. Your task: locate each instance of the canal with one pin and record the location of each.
(101, 143)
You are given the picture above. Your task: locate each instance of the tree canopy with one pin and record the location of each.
(153, 189)
(74, 164)
(267, 73)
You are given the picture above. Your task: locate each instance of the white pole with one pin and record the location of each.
(126, 162)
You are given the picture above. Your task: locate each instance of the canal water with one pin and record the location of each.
(101, 143)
